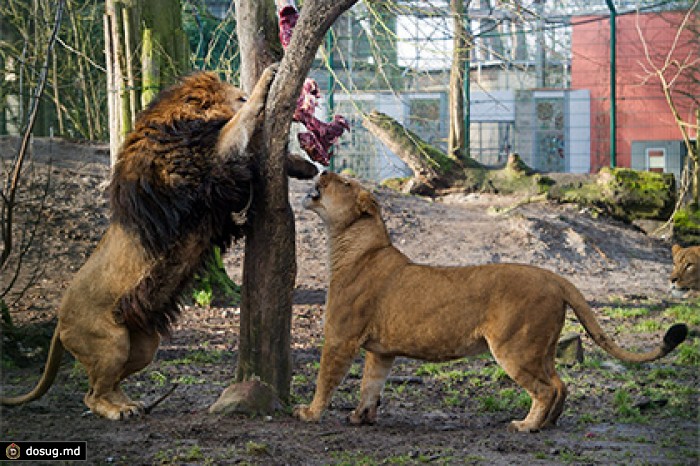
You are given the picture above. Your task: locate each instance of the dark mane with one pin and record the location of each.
(170, 189)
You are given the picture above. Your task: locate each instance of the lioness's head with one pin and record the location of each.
(340, 201)
(686, 269)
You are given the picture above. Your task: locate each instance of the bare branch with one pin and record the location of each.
(13, 182)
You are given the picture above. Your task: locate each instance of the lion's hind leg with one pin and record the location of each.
(103, 349)
(142, 349)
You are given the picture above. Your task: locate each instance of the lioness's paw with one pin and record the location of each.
(367, 416)
(304, 413)
(522, 426)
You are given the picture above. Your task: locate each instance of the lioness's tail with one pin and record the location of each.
(674, 336)
(53, 362)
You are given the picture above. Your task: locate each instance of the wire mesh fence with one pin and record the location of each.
(539, 73)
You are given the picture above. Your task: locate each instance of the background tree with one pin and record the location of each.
(459, 103)
(13, 250)
(73, 103)
(677, 73)
(146, 49)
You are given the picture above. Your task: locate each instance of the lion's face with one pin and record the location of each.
(236, 97)
(339, 201)
(201, 95)
(686, 269)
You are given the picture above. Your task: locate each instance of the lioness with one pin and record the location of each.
(685, 276)
(180, 176)
(381, 301)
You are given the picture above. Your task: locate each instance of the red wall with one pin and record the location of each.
(642, 111)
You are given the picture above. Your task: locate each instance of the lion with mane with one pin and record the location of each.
(180, 176)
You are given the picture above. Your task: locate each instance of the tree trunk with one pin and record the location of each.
(269, 269)
(696, 161)
(456, 146)
(432, 168)
(407, 146)
(623, 193)
(153, 28)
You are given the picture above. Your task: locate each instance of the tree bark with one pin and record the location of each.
(138, 34)
(269, 269)
(456, 145)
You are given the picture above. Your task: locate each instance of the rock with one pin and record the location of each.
(646, 403)
(570, 349)
(613, 366)
(252, 397)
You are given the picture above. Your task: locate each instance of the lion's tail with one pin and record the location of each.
(674, 335)
(53, 362)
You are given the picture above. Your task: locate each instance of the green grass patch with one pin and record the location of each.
(688, 313)
(193, 454)
(506, 400)
(625, 312)
(689, 353)
(624, 406)
(648, 325)
(198, 357)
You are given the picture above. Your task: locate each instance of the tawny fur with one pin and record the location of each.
(179, 176)
(381, 301)
(685, 276)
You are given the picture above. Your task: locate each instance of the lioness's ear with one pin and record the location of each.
(675, 249)
(367, 204)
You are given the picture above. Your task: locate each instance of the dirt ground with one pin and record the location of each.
(453, 413)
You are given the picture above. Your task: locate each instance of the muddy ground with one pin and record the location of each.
(454, 413)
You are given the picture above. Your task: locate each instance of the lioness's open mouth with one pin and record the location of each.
(314, 193)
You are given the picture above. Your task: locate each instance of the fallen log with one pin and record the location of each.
(622, 193)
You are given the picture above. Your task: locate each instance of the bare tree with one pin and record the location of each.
(457, 143)
(10, 270)
(676, 72)
(269, 269)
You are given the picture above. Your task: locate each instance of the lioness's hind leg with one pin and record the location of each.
(531, 373)
(374, 376)
(558, 405)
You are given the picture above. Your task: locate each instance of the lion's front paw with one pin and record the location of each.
(268, 75)
(304, 413)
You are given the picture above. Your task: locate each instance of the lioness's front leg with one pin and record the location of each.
(238, 131)
(335, 363)
(374, 375)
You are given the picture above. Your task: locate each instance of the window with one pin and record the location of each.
(656, 160)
